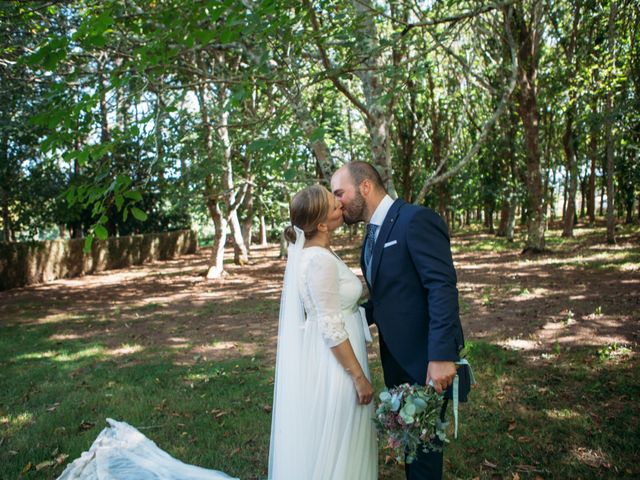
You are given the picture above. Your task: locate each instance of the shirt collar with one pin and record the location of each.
(381, 211)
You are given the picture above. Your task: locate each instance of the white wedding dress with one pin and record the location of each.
(120, 452)
(332, 437)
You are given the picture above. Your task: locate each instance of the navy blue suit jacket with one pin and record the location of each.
(413, 298)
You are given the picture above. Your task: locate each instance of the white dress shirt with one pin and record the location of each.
(381, 212)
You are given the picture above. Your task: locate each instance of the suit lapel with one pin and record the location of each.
(385, 230)
(362, 265)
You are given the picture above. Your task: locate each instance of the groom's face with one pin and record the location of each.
(353, 203)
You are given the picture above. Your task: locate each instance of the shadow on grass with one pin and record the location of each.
(566, 415)
(571, 414)
(55, 397)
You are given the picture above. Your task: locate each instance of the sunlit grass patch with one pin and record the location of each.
(484, 244)
(541, 414)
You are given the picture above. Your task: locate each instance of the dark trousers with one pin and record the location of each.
(426, 466)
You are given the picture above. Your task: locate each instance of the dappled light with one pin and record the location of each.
(550, 340)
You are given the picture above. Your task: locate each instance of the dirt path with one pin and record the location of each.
(528, 303)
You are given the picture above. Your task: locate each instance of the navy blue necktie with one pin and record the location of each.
(369, 243)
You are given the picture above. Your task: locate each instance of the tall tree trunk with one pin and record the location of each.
(212, 193)
(6, 218)
(583, 195)
(263, 231)
(565, 196)
(569, 140)
(552, 196)
(514, 173)
(159, 123)
(216, 264)
(4, 186)
(77, 228)
(572, 176)
(240, 251)
(241, 256)
(488, 219)
(504, 217)
(405, 127)
(591, 195)
(247, 222)
(528, 39)
(378, 118)
(611, 239)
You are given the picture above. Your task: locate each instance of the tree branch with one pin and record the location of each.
(328, 67)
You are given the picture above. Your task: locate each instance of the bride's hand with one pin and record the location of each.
(364, 389)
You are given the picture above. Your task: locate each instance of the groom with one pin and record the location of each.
(413, 299)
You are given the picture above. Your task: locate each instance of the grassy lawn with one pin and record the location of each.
(571, 411)
(572, 414)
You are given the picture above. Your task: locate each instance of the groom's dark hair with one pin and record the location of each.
(360, 171)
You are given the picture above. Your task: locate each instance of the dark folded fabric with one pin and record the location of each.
(464, 384)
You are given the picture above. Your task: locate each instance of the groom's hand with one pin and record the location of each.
(441, 374)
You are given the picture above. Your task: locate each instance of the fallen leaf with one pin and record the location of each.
(235, 451)
(61, 458)
(26, 468)
(488, 464)
(46, 464)
(267, 408)
(86, 426)
(512, 426)
(515, 476)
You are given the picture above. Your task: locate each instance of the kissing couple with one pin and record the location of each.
(322, 426)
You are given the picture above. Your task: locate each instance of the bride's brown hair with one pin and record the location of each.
(307, 209)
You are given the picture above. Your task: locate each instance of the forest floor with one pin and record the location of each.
(553, 339)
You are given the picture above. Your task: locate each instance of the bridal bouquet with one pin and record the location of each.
(408, 415)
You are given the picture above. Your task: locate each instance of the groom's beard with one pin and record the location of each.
(356, 211)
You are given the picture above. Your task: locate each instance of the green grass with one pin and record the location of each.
(575, 416)
(55, 396)
(565, 413)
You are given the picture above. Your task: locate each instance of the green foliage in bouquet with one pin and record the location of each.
(408, 417)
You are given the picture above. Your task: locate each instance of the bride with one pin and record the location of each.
(322, 417)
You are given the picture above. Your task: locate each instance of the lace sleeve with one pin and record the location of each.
(324, 290)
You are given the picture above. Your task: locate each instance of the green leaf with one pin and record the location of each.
(71, 195)
(95, 41)
(134, 195)
(139, 214)
(119, 201)
(87, 243)
(317, 134)
(101, 232)
(262, 144)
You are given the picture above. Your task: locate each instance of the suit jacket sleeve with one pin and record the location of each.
(430, 250)
(368, 310)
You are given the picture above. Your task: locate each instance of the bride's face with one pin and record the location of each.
(334, 217)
